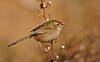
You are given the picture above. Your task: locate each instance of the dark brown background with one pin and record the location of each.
(18, 17)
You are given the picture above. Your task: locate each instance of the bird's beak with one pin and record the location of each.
(64, 25)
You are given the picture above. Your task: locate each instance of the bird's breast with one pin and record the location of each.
(48, 36)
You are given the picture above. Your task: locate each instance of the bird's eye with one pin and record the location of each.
(57, 24)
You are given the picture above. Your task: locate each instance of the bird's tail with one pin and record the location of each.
(17, 41)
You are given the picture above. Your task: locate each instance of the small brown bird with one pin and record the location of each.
(45, 33)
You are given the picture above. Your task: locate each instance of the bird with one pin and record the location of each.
(44, 33)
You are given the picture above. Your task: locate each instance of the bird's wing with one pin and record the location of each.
(41, 31)
(17, 41)
(38, 28)
(41, 26)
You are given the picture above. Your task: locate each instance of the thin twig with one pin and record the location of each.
(44, 13)
(43, 8)
(52, 52)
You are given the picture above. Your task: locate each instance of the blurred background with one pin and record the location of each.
(82, 35)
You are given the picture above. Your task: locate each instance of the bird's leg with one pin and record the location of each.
(45, 45)
(45, 49)
(41, 46)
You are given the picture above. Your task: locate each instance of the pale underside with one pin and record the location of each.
(48, 36)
